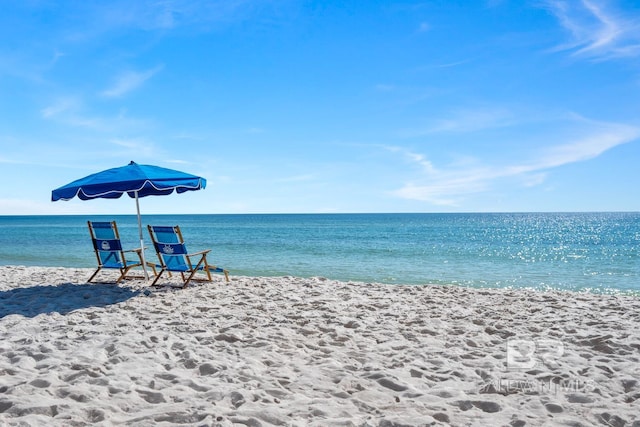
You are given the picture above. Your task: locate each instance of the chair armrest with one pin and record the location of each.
(138, 250)
(153, 266)
(200, 252)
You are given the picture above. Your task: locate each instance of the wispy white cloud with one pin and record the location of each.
(59, 107)
(588, 148)
(421, 160)
(129, 81)
(164, 15)
(452, 64)
(296, 178)
(424, 27)
(596, 30)
(439, 65)
(382, 87)
(178, 162)
(11, 161)
(137, 147)
(188, 136)
(448, 186)
(255, 130)
(70, 111)
(470, 120)
(31, 207)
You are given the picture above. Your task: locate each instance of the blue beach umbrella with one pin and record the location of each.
(133, 179)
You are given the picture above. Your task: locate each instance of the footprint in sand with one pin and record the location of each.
(485, 406)
(151, 396)
(40, 383)
(386, 382)
(553, 408)
(208, 369)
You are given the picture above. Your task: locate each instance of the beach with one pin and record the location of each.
(288, 351)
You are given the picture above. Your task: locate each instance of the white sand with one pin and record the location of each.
(298, 352)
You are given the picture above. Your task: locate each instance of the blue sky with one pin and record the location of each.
(325, 106)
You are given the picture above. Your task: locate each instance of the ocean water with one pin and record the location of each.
(599, 252)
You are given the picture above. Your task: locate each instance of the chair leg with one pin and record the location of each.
(153, 268)
(158, 277)
(213, 269)
(94, 274)
(186, 282)
(123, 273)
(194, 270)
(206, 267)
(220, 270)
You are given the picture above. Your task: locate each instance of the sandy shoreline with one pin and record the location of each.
(295, 352)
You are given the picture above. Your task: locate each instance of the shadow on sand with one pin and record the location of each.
(63, 298)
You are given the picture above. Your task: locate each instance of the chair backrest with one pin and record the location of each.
(106, 242)
(170, 247)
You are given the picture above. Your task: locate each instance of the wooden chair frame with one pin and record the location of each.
(109, 252)
(174, 257)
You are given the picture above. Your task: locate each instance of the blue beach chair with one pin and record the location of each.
(109, 252)
(174, 257)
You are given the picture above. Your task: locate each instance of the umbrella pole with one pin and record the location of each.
(144, 263)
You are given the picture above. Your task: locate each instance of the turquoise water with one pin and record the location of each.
(574, 251)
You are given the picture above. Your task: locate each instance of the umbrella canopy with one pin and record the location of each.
(135, 180)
